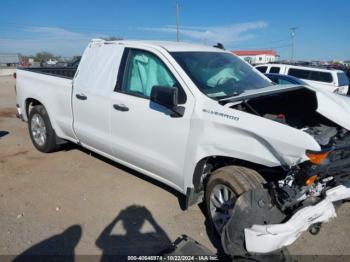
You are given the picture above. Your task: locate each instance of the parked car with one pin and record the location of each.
(285, 79)
(207, 124)
(328, 79)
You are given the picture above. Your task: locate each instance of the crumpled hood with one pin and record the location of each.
(335, 107)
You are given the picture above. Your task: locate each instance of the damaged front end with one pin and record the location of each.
(306, 183)
(265, 220)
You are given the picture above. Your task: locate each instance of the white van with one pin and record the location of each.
(329, 79)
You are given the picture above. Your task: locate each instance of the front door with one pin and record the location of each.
(145, 134)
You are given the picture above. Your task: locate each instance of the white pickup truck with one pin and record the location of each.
(268, 160)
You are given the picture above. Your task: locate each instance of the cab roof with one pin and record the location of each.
(170, 46)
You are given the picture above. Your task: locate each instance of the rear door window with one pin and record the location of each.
(342, 79)
(299, 73)
(321, 76)
(275, 70)
(262, 69)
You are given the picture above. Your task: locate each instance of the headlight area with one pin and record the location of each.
(306, 183)
(332, 162)
(317, 158)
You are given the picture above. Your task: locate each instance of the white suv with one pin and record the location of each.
(328, 79)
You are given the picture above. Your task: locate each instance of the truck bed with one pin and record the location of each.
(51, 87)
(65, 72)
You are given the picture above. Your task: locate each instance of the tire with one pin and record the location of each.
(40, 130)
(236, 180)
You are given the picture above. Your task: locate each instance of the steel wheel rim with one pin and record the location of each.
(38, 129)
(222, 201)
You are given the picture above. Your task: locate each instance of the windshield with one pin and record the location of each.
(220, 75)
(343, 79)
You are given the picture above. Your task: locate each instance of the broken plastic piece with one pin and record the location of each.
(270, 237)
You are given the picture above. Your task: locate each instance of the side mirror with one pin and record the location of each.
(167, 97)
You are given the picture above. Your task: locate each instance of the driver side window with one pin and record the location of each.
(143, 71)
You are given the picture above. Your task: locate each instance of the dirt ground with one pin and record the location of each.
(75, 201)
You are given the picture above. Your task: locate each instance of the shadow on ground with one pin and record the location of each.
(3, 133)
(56, 248)
(133, 242)
(114, 247)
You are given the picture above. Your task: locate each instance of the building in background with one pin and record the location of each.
(257, 56)
(9, 60)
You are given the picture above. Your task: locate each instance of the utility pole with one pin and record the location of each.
(177, 22)
(293, 41)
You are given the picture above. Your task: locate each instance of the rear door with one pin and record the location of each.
(144, 133)
(94, 83)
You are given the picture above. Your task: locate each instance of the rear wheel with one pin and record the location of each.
(224, 186)
(40, 130)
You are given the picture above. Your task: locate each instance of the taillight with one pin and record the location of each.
(14, 75)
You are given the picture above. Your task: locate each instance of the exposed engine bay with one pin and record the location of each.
(296, 108)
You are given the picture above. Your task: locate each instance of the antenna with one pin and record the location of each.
(177, 22)
(292, 34)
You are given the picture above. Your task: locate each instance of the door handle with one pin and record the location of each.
(81, 96)
(121, 107)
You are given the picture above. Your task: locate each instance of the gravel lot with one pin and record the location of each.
(75, 201)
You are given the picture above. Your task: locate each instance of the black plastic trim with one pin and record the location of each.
(40, 70)
(121, 71)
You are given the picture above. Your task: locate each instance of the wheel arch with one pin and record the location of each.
(207, 165)
(29, 104)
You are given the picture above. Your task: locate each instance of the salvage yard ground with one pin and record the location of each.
(75, 201)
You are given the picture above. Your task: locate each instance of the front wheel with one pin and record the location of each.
(40, 130)
(224, 186)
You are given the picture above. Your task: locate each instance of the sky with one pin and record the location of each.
(65, 27)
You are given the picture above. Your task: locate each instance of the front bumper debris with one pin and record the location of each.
(270, 237)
